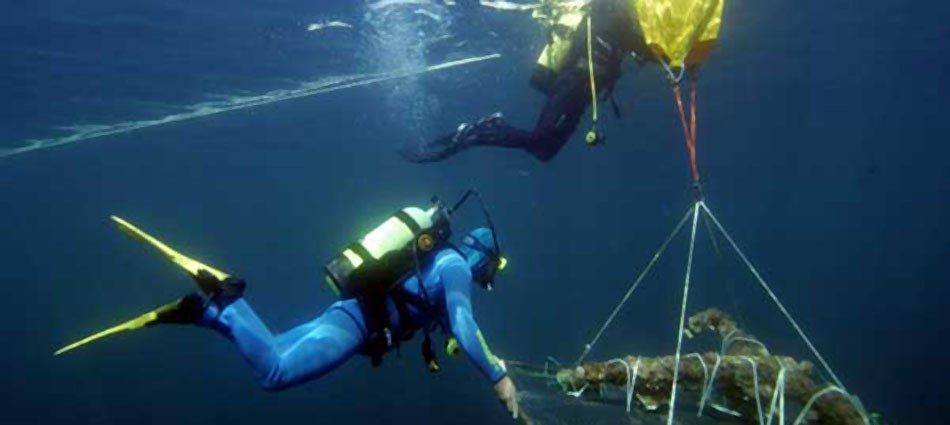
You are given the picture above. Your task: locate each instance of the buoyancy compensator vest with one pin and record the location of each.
(370, 270)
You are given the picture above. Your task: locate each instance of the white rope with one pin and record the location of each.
(727, 344)
(633, 287)
(778, 393)
(674, 78)
(705, 368)
(633, 383)
(781, 406)
(578, 393)
(549, 361)
(755, 378)
(722, 349)
(631, 378)
(626, 367)
(707, 389)
(772, 295)
(778, 396)
(831, 389)
(679, 335)
(205, 110)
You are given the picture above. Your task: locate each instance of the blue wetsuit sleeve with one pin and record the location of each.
(457, 280)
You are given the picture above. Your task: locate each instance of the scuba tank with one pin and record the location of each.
(370, 269)
(561, 19)
(386, 254)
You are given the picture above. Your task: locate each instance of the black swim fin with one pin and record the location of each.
(488, 131)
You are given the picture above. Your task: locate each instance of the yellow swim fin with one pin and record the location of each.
(190, 265)
(140, 322)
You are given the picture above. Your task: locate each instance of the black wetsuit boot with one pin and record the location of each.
(190, 308)
(185, 311)
(488, 131)
(563, 109)
(220, 292)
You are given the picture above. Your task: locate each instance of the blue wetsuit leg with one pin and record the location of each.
(301, 354)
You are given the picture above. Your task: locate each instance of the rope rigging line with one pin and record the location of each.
(832, 389)
(708, 387)
(778, 398)
(633, 287)
(699, 357)
(727, 342)
(755, 380)
(687, 115)
(688, 123)
(631, 378)
(772, 295)
(679, 335)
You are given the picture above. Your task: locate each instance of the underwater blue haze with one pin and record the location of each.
(821, 143)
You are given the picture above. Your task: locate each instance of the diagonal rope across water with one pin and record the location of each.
(244, 102)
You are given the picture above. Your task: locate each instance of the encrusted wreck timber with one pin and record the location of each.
(734, 380)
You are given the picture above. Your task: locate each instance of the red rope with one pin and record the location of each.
(689, 126)
(694, 165)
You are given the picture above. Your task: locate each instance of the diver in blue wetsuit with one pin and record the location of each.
(402, 278)
(440, 300)
(313, 349)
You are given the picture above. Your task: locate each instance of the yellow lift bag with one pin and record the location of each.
(679, 32)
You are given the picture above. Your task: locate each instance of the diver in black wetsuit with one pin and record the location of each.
(614, 35)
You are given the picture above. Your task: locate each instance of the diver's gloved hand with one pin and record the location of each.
(221, 292)
(508, 396)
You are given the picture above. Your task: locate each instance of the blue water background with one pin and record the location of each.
(822, 143)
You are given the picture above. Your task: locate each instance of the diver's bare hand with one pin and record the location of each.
(508, 396)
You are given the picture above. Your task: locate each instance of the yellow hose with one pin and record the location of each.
(590, 69)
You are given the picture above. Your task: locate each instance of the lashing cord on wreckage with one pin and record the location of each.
(689, 124)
